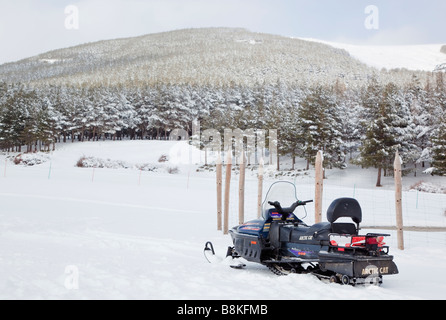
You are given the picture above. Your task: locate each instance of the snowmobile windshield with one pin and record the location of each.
(281, 191)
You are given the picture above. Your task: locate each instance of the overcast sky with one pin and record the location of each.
(30, 27)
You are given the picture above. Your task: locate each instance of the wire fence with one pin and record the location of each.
(424, 214)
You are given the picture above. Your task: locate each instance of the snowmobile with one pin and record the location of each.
(332, 251)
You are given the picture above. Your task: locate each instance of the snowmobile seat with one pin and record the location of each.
(344, 228)
(318, 231)
(291, 233)
(319, 227)
(344, 208)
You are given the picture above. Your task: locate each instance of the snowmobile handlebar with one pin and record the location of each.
(291, 209)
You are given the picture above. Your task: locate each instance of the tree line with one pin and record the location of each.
(364, 125)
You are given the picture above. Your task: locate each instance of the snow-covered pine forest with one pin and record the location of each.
(373, 122)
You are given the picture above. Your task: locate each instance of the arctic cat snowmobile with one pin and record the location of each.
(333, 250)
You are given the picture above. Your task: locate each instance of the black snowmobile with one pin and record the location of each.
(331, 250)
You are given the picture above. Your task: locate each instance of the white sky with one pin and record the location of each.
(30, 27)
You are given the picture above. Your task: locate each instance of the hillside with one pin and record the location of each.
(214, 56)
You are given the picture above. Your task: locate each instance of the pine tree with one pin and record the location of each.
(62, 101)
(439, 134)
(350, 110)
(46, 127)
(386, 133)
(418, 101)
(18, 118)
(320, 129)
(439, 149)
(127, 117)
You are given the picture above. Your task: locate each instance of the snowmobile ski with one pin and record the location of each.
(209, 252)
(211, 257)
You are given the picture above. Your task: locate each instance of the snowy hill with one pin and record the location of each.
(410, 57)
(213, 56)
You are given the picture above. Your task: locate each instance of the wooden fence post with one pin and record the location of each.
(398, 201)
(228, 166)
(219, 191)
(319, 188)
(241, 190)
(260, 189)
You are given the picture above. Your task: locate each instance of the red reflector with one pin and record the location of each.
(253, 242)
(341, 249)
(357, 239)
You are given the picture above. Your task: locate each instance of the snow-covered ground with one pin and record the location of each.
(132, 234)
(412, 57)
